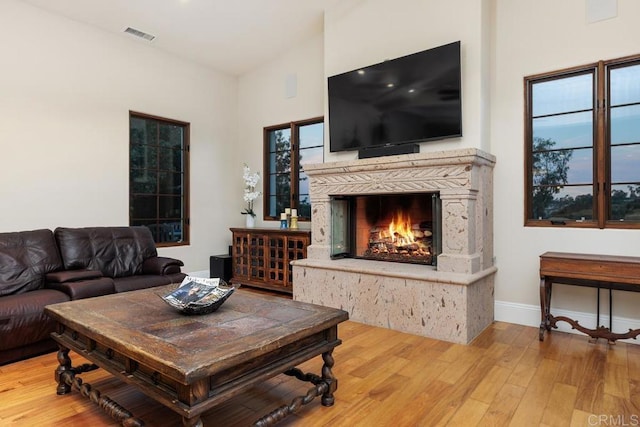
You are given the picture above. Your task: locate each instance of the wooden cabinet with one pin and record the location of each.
(262, 256)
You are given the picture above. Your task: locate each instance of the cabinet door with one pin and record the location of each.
(277, 259)
(257, 270)
(241, 255)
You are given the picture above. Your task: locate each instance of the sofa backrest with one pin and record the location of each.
(25, 258)
(115, 251)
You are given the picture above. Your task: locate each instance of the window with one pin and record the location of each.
(582, 136)
(288, 148)
(158, 177)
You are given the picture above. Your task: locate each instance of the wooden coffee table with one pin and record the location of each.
(192, 363)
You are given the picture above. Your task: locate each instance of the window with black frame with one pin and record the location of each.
(583, 146)
(288, 147)
(158, 177)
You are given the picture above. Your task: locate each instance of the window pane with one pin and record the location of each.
(625, 202)
(273, 211)
(311, 155)
(563, 95)
(570, 202)
(170, 207)
(280, 140)
(144, 207)
(303, 183)
(574, 166)
(566, 131)
(311, 135)
(625, 164)
(304, 206)
(144, 156)
(143, 182)
(137, 131)
(170, 183)
(170, 136)
(151, 132)
(171, 160)
(625, 124)
(624, 85)
(283, 162)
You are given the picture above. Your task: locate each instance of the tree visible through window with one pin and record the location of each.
(288, 148)
(158, 177)
(583, 146)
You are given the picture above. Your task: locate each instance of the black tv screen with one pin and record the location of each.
(409, 99)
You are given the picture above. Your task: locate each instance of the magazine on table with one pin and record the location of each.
(195, 291)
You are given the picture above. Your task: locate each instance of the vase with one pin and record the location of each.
(250, 221)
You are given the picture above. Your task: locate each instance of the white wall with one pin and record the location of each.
(263, 101)
(65, 94)
(534, 37)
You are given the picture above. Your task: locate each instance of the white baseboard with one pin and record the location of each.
(529, 315)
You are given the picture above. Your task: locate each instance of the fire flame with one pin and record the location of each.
(399, 230)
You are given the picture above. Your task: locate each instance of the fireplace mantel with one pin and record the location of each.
(453, 301)
(464, 179)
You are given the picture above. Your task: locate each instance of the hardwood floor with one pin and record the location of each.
(386, 378)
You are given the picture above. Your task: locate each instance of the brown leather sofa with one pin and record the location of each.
(42, 267)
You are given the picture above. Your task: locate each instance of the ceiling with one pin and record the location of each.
(232, 36)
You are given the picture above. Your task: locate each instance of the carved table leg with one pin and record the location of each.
(192, 422)
(66, 377)
(63, 369)
(324, 386)
(329, 379)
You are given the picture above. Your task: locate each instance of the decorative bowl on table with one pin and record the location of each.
(196, 295)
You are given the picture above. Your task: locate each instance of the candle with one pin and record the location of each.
(294, 212)
(287, 211)
(283, 216)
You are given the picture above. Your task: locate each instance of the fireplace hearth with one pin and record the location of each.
(451, 299)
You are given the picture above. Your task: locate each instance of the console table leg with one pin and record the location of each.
(545, 307)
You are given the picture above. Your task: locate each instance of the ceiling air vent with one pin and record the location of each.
(140, 34)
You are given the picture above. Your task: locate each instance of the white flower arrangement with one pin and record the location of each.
(250, 193)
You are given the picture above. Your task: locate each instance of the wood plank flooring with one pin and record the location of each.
(506, 377)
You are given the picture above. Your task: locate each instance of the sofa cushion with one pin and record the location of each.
(141, 281)
(22, 318)
(25, 258)
(84, 288)
(115, 251)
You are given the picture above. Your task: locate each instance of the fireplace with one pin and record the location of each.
(446, 193)
(403, 227)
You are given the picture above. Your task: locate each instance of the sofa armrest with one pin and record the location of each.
(72, 275)
(161, 265)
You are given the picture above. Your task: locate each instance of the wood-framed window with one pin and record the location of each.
(582, 146)
(287, 148)
(159, 177)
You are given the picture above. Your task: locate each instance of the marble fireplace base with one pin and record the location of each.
(410, 298)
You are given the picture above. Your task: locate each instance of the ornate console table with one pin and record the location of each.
(597, 271)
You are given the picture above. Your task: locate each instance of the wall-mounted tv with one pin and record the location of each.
(410, 99)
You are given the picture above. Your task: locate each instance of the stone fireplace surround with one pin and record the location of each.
(453, 301)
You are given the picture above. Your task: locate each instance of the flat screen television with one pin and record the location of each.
(410, 99)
